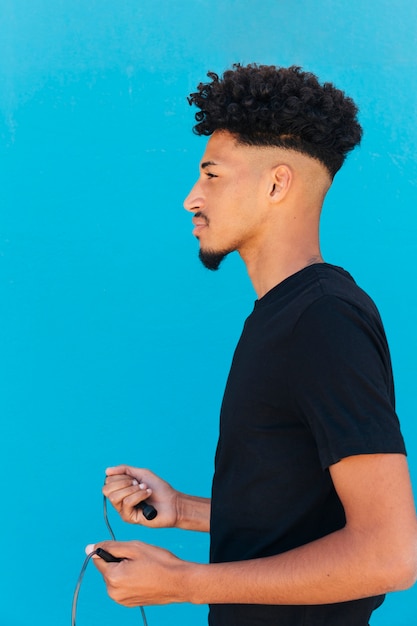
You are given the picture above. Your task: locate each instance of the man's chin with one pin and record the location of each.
(211, 259)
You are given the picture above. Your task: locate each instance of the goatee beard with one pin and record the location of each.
(211, 259)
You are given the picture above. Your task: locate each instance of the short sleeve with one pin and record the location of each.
(340, 377)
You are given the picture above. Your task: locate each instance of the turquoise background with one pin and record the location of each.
(115, 343)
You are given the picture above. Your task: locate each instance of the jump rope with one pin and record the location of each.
(150, 513)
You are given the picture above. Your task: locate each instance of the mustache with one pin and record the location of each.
(201, 215)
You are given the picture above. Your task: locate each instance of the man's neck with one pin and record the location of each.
(266, 270)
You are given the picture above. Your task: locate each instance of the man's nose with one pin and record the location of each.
(194, 201)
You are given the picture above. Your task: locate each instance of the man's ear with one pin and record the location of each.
(281, 179)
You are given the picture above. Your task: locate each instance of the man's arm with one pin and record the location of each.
(376, 552)
(126, 486)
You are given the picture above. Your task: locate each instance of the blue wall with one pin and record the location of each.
(115, 342)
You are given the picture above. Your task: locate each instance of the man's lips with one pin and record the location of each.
(199, 222)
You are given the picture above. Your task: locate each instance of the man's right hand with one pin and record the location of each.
(126, 486)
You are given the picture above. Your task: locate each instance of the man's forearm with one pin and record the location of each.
(345, 565)
(336, 568)
(376, 552)
(193, 513)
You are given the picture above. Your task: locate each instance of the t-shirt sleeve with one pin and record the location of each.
(341, 379)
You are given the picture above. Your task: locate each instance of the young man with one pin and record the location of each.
(311, 518)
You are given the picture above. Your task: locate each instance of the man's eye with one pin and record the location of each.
(210, 175)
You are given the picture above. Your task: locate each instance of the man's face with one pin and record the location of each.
(225, 200)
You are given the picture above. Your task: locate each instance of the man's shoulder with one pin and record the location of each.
(335, 284)
(317, 296)
(316, 282)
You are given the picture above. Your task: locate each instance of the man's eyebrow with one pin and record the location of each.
(207, 164)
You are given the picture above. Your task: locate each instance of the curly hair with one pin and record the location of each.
(265, 105)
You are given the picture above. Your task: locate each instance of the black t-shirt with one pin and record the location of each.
(310, 384)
